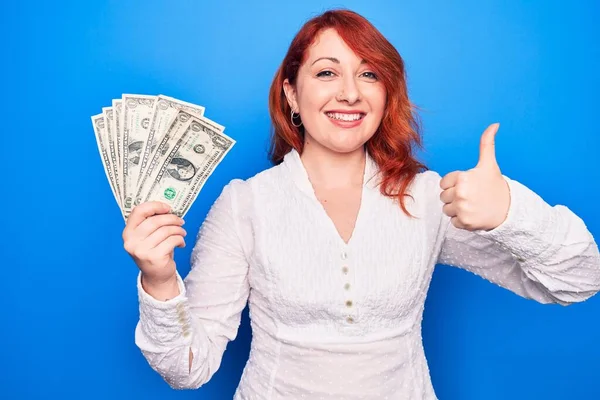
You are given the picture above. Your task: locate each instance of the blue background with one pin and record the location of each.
(68, 287)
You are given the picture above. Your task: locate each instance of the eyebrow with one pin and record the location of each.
(333, 59)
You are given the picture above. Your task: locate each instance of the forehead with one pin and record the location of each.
(329, 44)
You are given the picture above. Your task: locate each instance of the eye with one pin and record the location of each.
(369, 75)
(325, 74)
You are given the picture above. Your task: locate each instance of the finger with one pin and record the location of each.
(456, 223)
(145, 210)
(450, 209)
(449, 180)
(152, 224)
(487, 146)
(162, 233)
(447, 196)
(168, 245)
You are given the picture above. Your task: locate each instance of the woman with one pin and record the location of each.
(335, 246)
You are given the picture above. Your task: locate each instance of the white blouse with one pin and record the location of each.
(336, 320)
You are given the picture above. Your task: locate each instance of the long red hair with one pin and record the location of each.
(392, 146)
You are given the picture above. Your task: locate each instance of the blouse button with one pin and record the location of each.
(344, 255)
(349, 320)
(347, 286)
(349, 303)
(345, 270)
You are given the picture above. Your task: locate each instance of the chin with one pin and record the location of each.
(345, 147)
(348, 144)
(340, 140)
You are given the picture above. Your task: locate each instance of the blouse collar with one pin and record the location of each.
(294, 164)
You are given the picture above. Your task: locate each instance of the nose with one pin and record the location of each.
(349, 92)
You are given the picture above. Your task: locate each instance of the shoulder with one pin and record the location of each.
(426, 183)
(424, 192)
(241, 193)
(269, 178)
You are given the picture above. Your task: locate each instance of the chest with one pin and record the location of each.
(308, 273)
(342, 206)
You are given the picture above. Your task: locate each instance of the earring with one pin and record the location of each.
(295, 116)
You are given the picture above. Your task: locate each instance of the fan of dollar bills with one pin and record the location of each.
(157, 148)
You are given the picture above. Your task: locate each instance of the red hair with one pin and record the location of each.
(391, 147)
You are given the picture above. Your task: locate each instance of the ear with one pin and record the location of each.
(290, 94)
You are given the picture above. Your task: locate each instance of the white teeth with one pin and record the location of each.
(345, 117)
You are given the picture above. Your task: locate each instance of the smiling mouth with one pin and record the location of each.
(348, 117)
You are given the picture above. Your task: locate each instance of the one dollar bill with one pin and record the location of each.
(99, 125)
(163, 114)
(136, 111)
(184, 159)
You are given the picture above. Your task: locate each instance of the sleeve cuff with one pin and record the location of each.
(527, 230)
(165, 323)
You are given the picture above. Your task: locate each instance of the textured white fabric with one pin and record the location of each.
(269, 242)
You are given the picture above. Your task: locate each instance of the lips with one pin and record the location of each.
(345, 119)
(345, 116)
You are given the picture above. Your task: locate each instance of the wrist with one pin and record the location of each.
(161, 289)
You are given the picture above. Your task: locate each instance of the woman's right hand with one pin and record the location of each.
(150, 237)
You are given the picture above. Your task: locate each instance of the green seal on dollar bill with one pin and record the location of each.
(169, 193)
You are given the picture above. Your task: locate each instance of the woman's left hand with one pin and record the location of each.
(477, 199)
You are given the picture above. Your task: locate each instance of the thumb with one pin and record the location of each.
(487, 147)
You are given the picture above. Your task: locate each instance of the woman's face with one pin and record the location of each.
(339, 97)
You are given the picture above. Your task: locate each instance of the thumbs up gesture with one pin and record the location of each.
(477, 199)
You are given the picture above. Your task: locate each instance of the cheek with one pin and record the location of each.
(377, 99)
(314, 96)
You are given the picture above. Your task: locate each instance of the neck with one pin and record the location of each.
(331, 169)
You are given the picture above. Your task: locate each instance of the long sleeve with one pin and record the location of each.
(539, 252)
(206, 314)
